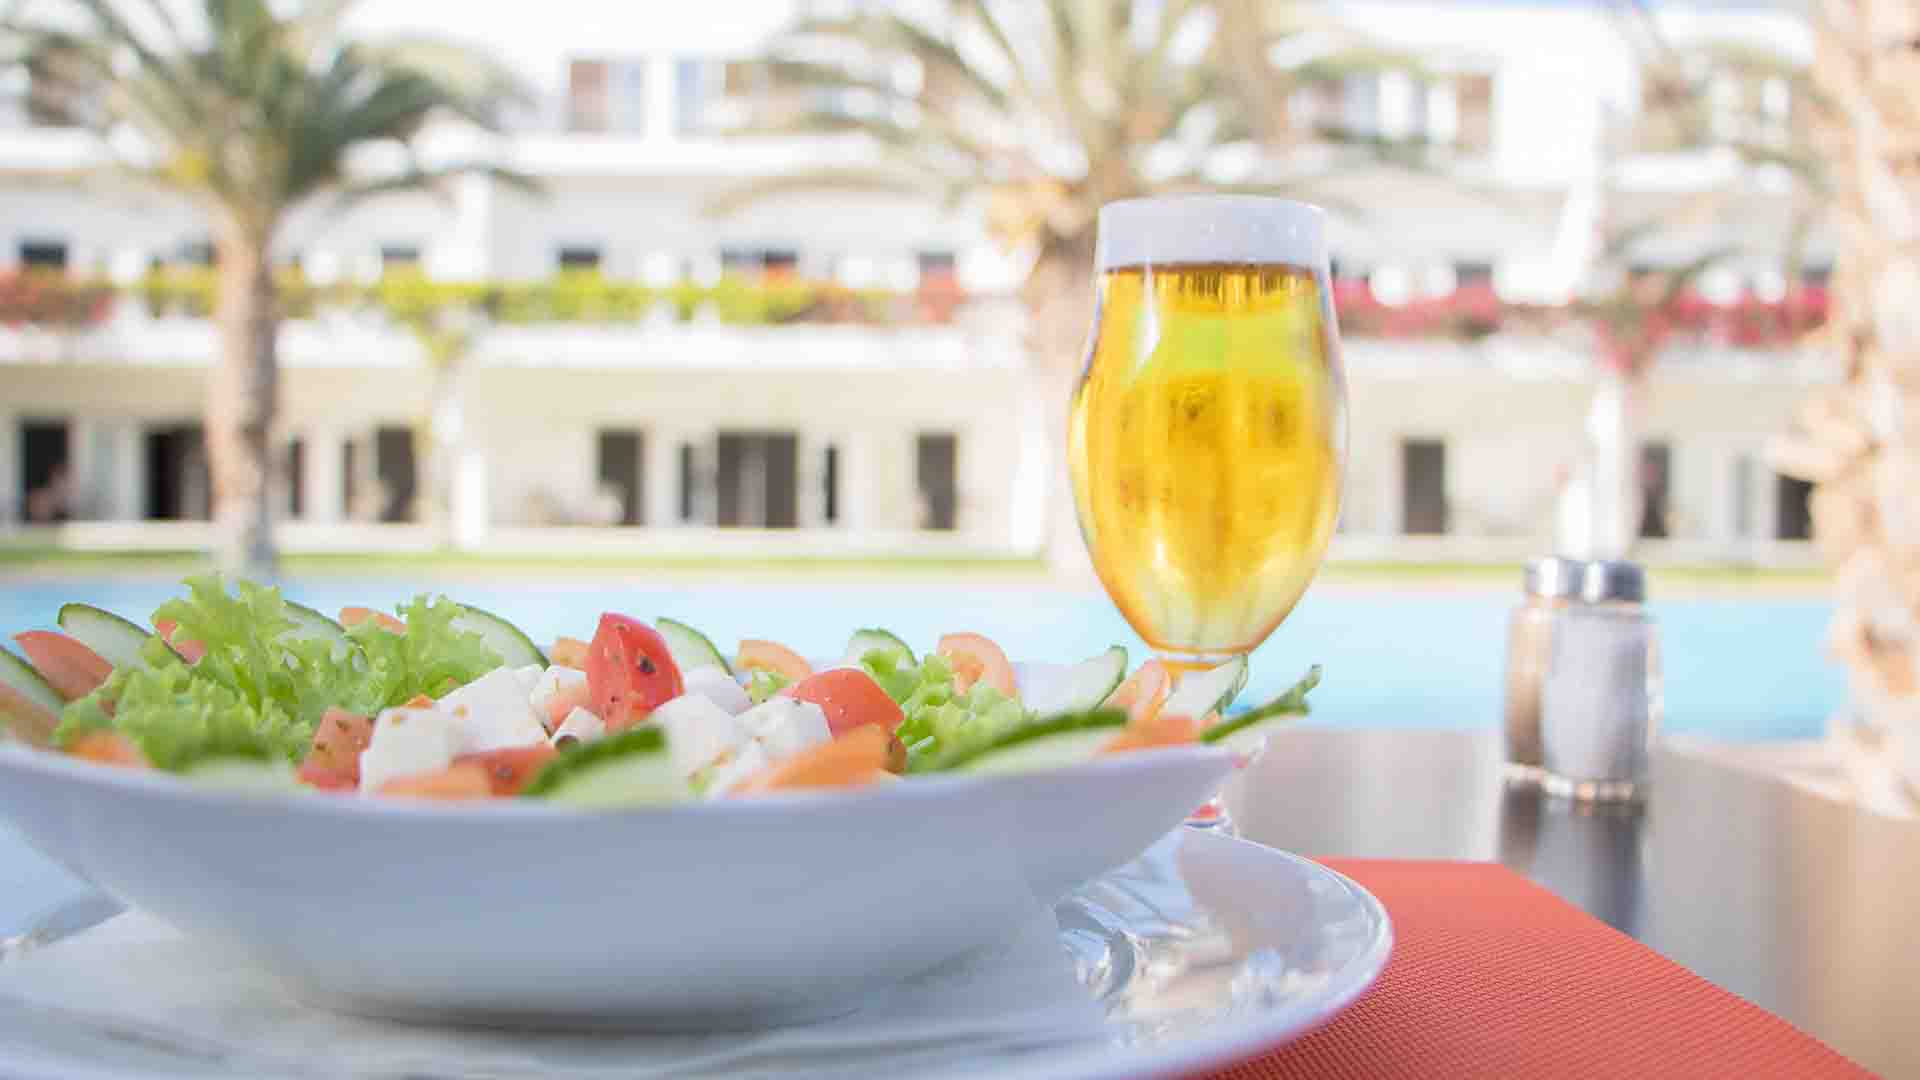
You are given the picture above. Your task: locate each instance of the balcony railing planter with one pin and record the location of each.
(53, 301)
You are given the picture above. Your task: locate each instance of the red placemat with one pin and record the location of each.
(1493, 976)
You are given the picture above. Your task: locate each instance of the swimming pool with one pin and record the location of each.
(1737, 668)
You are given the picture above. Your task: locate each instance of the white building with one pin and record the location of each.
(699, 434)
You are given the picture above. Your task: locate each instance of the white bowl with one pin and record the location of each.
(697, 916)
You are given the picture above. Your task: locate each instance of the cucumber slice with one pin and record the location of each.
(113, 637)
(1243, 734)
(1086, 685)
(29, 707)
(311, 625)
(1048, 743)
(1210, 691)
(252, 775)
(876, 640)
(516, 649)
(689, 647)
(632, 768)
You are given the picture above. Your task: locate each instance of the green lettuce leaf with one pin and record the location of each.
(261, 689)
(763, 684)
(937, 720)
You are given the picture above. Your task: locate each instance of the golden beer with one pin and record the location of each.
(1207, 445)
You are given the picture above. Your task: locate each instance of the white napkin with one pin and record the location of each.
(134, 978)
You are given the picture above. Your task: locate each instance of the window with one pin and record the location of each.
(830, 482)
(712, 95)
(756, 479)
(1656, 490)
(1472, 273)
(1793, 516)
(760, 262)
(297, 478)
(622, 472)
(43, 254)
(607, 96)
(1473, 113)
(936, 268)
(179, 487)
(936, 475)
(45, 484)
(579, 257)
(394, 470)
(689, 480)
(695, 85)
(1423, 487)
(195, 253)
(399, 257)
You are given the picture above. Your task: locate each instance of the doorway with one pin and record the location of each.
(179, 486)
(757, 479)
(1423, 487)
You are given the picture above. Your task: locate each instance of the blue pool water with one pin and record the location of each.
(1737, 668)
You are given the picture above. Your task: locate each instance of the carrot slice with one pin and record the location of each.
(976, 659)
(772, 656)
(461, 780)
(1144, 692)
(853, 759)
(354, 616)
(68, 665)
(1159, 730)
(108, 748)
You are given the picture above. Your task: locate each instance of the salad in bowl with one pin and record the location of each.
(424, 815)
(439, 700)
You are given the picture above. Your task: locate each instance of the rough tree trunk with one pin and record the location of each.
(1860, 443)
(243, 402)
(1059, 297)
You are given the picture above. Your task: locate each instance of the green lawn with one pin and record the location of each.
(19, 560)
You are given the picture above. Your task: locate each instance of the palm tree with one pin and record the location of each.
(1854, 442)
(1051, 109)
(251, 114)
(1627, 293)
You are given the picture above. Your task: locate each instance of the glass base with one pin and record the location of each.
(1212, 817)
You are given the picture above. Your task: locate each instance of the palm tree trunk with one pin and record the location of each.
(1613, 426)
(242, 403)
(1059, 297)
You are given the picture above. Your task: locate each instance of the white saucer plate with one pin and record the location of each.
(1204, 951)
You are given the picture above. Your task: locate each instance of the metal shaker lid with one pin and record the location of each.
(1613, 581)
(1554, 576)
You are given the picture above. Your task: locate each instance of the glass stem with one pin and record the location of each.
(1212, 815)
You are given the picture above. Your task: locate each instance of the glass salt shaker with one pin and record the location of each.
(1600, 698)
(1549, 584)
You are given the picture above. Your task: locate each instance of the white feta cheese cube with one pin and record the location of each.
(492, 713)
(552, 683)
(746, 761)
(408, 742)
(784, 726)
(581, 725)
(529, 674)
(698, 732)
(711, 682)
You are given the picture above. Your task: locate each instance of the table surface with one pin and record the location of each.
(1804, 905)
(1798, 902)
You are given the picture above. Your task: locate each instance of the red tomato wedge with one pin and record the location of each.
(629, 672)
(1143, 693)
(461, 780)
(72, 669)
(511, 768)
(190, 651)
(976, 659)
(757, 655)
(850, 698)
(315, 775)
(354, 616)
(338, 742)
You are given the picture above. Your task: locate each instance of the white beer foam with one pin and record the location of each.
(1175, 229)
